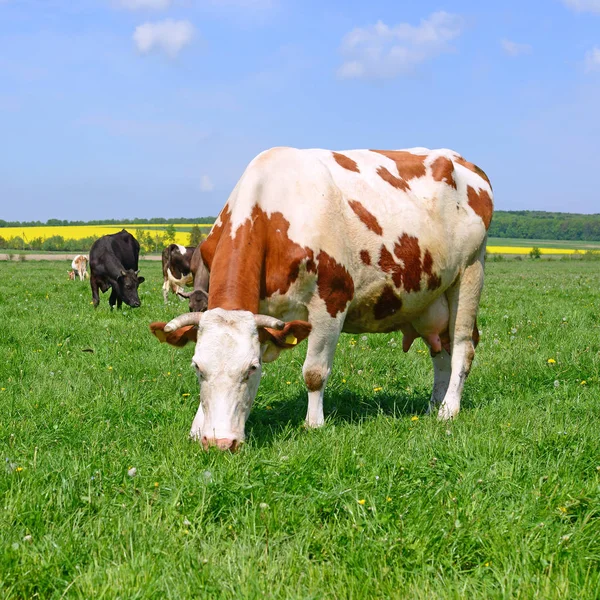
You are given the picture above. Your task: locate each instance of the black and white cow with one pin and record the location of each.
(176, 268)
(114, 264)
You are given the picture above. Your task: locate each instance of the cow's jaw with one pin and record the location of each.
(227, 359)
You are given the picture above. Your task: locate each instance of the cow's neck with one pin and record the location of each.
(236, 263)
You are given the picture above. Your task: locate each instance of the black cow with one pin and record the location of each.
(199, 297)
(114, 264)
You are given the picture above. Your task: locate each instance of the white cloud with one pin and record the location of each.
(514, 48)
(144, 4)
(592, 60)
(383, 52)
(169, 36)
(583, 5)
(206, 184)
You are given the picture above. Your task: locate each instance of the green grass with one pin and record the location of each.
(502, 503)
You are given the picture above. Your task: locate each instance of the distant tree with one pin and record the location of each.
(196, 236)
(535, 252)
(170, 233)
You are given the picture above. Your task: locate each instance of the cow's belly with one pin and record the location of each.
(382, 309)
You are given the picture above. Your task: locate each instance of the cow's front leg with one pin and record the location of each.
(95, 295)
(113, 298)
(322, 342)
(165, 288)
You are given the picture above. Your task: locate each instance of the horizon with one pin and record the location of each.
(129, 107)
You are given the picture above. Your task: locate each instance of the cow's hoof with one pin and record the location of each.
(313, 424)
(446, 412)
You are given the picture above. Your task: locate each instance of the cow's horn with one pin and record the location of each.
(138, 272)
(192, 318)
(270, 322)
(184, 294)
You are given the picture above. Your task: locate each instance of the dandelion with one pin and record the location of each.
(362, 501)
(363, 338)
(156, 484)
(388, 499)
(186, 522)
(359, 372)
(2, 389)
(288, 382)
(132, 472)
(488, 563)
(263, 506)
(415, 418)
(28, 538)
(110, 368)
(556, 383)
(343, 381)
(207, 476)
(584, 382)
(377, 389)
(562, 509)
(513, 330)
(551, 361)
(185, 395)
(19, 469)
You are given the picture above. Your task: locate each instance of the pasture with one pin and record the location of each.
(384, 502)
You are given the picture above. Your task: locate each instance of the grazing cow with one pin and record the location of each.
(79, 265)
(71, 275)
(312, 243)
(176, 269)
(114, 264)
(198, 298)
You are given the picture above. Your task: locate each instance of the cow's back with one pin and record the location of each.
(115, 250)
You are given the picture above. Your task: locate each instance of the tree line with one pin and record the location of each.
(538, 225)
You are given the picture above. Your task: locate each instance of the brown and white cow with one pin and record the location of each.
(176, 269)
(198, 297)
(79, 265)
(312, 243)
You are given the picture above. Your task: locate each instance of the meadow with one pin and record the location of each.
(383, 502)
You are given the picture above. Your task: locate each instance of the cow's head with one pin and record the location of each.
(228, 360)
(198, 300)
(128, 282)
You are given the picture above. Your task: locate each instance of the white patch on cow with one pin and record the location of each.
(182, 249)
(227, 358)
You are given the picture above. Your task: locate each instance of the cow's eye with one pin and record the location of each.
(251, 370)
(199, 371)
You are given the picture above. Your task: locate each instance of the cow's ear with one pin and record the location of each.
(291, 335)
(179, 337)
(141, 280)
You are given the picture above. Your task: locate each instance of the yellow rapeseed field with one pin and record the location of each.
(525, 250)
(78, 232)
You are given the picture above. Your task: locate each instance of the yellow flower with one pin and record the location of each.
(3, 389)
(487, 564)
(156, 484)
(415, 418)
(343, 381)
(169, 372)
(110, 368)
(362, 501)
(388, 499)
(551, 361)
(562, 509)
(19, 469)
(185, 395)
(288, 382)
(377, 389)
(584, 382)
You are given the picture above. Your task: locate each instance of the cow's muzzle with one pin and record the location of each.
(221, 443)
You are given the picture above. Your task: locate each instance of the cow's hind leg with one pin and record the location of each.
(166, 290)
(442, 370)
(463, 301)
(322, 342)
(113, 298)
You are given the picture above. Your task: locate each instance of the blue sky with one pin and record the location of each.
(124, 108)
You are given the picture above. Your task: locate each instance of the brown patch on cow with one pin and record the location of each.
(335, 284)
(474, 168)
(482, 204)
(387, 304)
(442, 169)
(394, 181)
(369, 219)
(257, 262)
(408, 274)
(409, 165)
(346, 162)
(314, 380)
(433, 280)
(365, 257)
